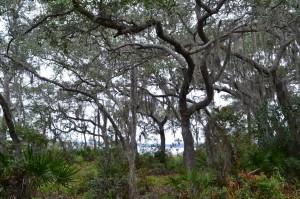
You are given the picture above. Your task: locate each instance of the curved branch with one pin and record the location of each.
(121, 27)
(209, 90)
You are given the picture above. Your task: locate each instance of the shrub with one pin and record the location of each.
(175, 164)
(258, 186)
(111, 181)
(22, 178)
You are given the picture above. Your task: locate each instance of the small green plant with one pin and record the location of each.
(175, 164)
(180, 184)
(36, 168)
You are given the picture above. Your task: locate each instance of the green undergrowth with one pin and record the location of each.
(169, 180)
(95, 178)
(87, 169)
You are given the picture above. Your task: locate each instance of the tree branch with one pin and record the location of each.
(66, 88)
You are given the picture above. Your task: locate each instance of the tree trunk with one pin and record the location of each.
(209, 144)
(293, 144)
(11, 126)
(94, 137)
(103, 130)
(3, 136)
(20, 109)
(85, 142)
(188, 140)
(132, 175)
(249, 122)
(6, 97)
(162, 144)
(132, 145)
(220, 153)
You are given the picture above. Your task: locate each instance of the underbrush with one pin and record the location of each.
(261, 183)
(48, 174)
(22, 177)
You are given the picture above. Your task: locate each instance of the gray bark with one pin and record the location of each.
(286, 106)
(189, 151)
(11, 126)
(162, 144)
(132, 145)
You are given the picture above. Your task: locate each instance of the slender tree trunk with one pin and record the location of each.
(249, 126)
(94, 142)
(132, 145)
(3, 136)
(132, 174)
(85, 142)
(209, 144)
(197, 139)
(162, 144)
(20, 109)
(103, 130)
(94, 137)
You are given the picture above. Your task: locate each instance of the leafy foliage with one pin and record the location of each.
(111, 181)
(34, 170)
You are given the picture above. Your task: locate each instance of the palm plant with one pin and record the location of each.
(22, 178)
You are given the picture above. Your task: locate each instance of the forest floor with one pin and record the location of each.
(168, 181)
